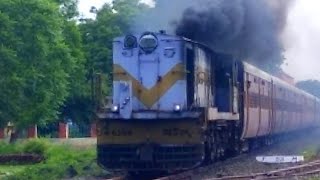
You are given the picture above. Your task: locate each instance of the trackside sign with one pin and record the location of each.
(280, 159)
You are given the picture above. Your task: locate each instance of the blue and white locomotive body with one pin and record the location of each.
(155, 122)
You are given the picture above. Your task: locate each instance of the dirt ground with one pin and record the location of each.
(76, 142)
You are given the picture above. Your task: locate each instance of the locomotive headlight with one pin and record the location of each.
(130, 42)
(115, 108)
(177, 108)
(148, 43)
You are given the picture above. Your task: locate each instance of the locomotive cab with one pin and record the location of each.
(164, 95)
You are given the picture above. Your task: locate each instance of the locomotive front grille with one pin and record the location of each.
(149, 157)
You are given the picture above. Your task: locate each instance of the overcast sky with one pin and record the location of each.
(301, 37)
(302, 40)
(85, 5)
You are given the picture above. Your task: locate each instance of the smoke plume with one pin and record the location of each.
(248, 29)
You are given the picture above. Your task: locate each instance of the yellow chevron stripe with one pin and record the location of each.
(150, 96)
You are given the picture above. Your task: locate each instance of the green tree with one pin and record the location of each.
(69, 8)
(37, 61)
(111, 21)
(77, 106)
(97, 35)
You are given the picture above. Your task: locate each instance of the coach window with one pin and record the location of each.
(280, 98)
(248, 84)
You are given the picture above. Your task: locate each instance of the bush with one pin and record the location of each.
(311, 153)
(61, 161)
(35, 147)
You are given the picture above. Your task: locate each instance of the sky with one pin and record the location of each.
(302, 40)
(85, 5)
(301, 37)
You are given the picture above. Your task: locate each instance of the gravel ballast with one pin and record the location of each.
(306, 144)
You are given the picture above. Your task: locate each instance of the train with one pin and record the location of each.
(177, 104)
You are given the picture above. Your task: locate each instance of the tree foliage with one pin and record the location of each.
(48, 59)
(38, 60)
(68, 8)
(97, 34)
(77, 106)
(311, 86)
(111, 21)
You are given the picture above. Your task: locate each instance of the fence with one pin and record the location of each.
(54, 130)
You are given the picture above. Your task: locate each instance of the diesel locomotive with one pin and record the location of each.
(177, 103)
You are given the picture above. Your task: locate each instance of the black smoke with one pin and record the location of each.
(248, 29)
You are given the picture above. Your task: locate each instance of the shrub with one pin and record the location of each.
(35, 147)
(62, 161)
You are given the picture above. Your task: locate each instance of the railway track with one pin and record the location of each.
(187, 175)
(308, 169)
(311, 168)
(305, 170)
(282, 172)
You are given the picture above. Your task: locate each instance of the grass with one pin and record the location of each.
(61, 161)
(11, 169)
(311, 153)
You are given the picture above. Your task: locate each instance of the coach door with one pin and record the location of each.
(264, 107)
(251, 114)
(274, 106)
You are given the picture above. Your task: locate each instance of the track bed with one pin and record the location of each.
(241, 166)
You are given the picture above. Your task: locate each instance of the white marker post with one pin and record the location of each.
(280, 159)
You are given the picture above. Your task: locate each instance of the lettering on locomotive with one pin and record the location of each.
(177, 132)
(116, 132)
